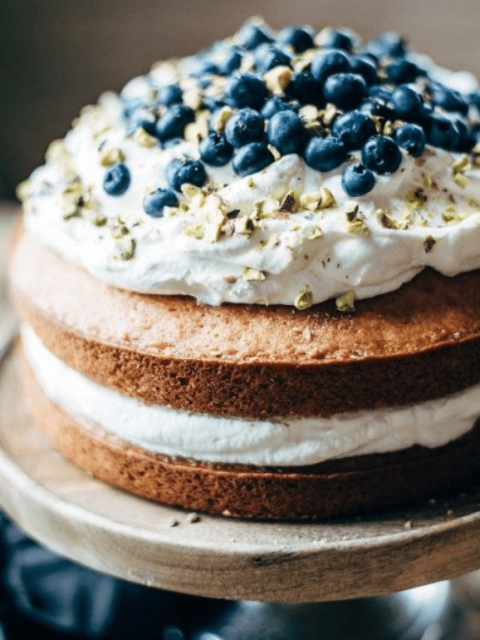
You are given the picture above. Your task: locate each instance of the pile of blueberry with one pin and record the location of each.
(369, 84)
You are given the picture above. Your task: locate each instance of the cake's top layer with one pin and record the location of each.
(273, 168)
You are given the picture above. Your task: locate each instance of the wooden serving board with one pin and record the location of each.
(134, 539)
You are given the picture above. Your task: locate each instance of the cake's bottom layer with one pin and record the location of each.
(335, 488)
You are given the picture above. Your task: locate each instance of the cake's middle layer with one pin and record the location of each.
(292, 442)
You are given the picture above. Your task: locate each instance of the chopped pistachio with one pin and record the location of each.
(98, 219)
(193, 98)
(388, 129)
(346, 302)
(289, 204)
(230, 279)
(125, 250)
(196, 131)
(474, 204)
(144, 139)
(427, 182)
(194, 231)
(476, 148)
(351, 210)
(120, 230)
(250, 183)
(191, 191)
(278, 79)
(264, 208)
(461, 164)
(274, 151)
(244, 226)
(252, 275)
(111, 156)
(386, 219)
(428, 243)
(314, 233)
(70, 210)
(415, 199)
(57, 152)
(310, 201)
(309, 113)
(23, 190)
(304, 299)
(329, 114)
(183, 206)
(221, 118)
(326, 199)
(461, 180)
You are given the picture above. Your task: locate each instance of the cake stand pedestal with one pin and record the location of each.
(365, 560)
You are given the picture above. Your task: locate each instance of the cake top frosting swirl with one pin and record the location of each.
(280, 167)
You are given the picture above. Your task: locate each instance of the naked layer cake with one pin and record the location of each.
(249, 282)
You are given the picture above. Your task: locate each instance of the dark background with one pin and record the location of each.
(57, 55)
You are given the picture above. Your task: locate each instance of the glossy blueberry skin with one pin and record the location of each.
(212, 104)
(299, 38)
(251, 158)
(403, 71)
(275, 105)
(407, 103)
(172, 124)
(304, 88)
(268, 57)
(380, 93)
(231, 62)
(376, 107)
(245, 126)
(449, 99)
(329, 62)
(154, 203)
(345, 90)
(387, 44)
(170, 94)
(339, 39)
(204, 66)
(354, 129)
(287, 133)
(366, 67)
(381, 155)
(252, 36)
(325, 154)
(441, 132)
(215, 150)
(245, 90)
(357, 180)
(185, 171)
(474, 98)
(117, 180)
(411, 137)
(466, 139)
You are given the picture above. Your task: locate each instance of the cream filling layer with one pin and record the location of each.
(281, 442)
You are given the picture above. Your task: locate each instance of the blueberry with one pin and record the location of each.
(376, 107)
(329, 62)
(407, 103)
(304, 88)
(143, 118)
(173, 142)
(441, 132)
(172, 124)
(339, 39)
(130, 106)
(244, 127)
(251, 36)
(215, 150)
(286, 132)
(154, 203)
(403, 71)
(185, 171)
(474, 99)
(230, 62)
(117, 180)
(212, 104)
(300, 38)
(449, 99)
(357, 180)
(411, 137)
(268, 57)
(380, 93)
(203, 66)
(345, 90)
(354, 129)
(275, 105)
(382, 155)
(388, 44)
(170, 94)
(366, 67)
(466, 139)
(325, 154)
(245, 90)
(252, 158)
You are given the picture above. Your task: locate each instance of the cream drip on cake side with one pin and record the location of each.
(285, 443)
(230, 241)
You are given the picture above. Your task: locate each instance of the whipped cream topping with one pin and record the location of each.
(231, 241)
(281, 442)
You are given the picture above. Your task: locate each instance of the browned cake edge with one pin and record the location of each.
(335, 488)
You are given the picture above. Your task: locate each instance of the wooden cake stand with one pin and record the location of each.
(141, 541)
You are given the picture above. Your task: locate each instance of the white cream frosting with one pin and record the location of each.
(319, 252)
(290, 442)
